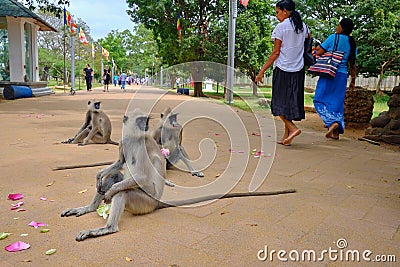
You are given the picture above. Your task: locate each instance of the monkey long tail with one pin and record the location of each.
(113, 142)
(230, 195)
(82, 166)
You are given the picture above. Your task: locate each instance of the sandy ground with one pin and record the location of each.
(225, 233)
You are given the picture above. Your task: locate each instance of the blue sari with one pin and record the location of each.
(329, 99)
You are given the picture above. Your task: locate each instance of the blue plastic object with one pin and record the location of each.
(11, 92)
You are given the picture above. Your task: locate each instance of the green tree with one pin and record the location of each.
(52, 6)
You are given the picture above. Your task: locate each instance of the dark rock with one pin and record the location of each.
(394, 101)
(394, 125)
(381, 120)
(374, 131)
(396, 90)
(391, 139)
(394, 113)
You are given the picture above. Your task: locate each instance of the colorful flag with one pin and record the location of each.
(178, 26)
(105, 53)
(69, 20)
(244, 2)
(92, 50)
(82, 37)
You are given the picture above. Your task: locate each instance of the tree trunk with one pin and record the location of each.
(196, 70)
(255, 89)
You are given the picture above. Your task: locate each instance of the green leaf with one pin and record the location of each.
(50, 251)
(44, 230)
(4, 235)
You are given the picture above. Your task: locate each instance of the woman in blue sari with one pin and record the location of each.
(330, 92)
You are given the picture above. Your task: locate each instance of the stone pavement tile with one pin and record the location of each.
(363, 227)
(354, 206)
(383, 216)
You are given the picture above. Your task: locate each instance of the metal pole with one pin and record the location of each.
(161, 77)
(79, 61)
(231, 51)
(71, 39)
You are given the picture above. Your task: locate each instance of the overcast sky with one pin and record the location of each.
(102, 16)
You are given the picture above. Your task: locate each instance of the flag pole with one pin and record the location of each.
(72, 64)
(64, 36)
(231, 51)
(79, 61)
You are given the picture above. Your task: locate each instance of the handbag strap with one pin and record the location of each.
(336, 43)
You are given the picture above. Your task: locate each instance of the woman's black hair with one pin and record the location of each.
(294, 17)
(347, 27)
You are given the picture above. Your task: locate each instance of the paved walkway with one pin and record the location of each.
(347, 191)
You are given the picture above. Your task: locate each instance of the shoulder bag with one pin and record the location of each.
(327, 64)
(309, 58)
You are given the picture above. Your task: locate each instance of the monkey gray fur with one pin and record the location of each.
(168, 134)
(140, 188)
(96, 128)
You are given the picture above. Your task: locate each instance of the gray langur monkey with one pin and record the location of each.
(96, 128)
(168, 135)
(140, 189)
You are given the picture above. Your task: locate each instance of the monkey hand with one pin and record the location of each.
(108, 196)
(99, 183)
(197, 173)
(68, 141)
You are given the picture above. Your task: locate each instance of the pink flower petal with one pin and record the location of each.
(43, 198)
(165, 152)
(21, 209)
(15, 196)
(36, 224)
(16, 206)
(17, 246)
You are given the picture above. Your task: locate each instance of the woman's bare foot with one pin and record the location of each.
(285, 135)
(292, 134)
(335, 134)
(331, 129)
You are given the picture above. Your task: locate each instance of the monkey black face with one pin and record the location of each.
(173, 120)
(143, 123)
(96, 104)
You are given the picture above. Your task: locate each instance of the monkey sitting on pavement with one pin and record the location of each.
(96, 128)
(168, 135)
(140, 189)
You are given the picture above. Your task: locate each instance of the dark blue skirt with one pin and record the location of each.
(288, 94)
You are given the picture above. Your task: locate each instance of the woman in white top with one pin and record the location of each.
(288, 75)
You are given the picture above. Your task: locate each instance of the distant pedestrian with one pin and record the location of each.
(106, 78)
(115, 80)
(123, 80)
(88, 73)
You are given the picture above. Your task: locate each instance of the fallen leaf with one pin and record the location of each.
(44, 230)
(24, 235)
(128, 259)
(17, 246)
(83, 191)
(256, 134)
(27, 261)
(252, 224)
(50, 184)
(224, 212)
(20, 209)
(50, 251)
(385, 181)
(15, 196)
(218, 175)
(36, 224)
(349, 186)
(4, 235)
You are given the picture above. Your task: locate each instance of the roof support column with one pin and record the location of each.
(16, 51)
